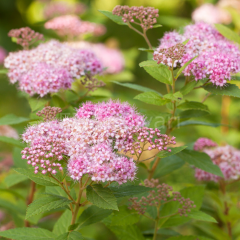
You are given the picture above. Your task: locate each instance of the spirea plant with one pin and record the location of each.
(83, 158)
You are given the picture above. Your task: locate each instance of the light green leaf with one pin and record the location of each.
(146, 50)
(236, 78)
(229, 90)
(228, 33)
(188, 87)
(36, 104)
(185, 42)
(175, 150)
(46, 203)
(70, 236)
(92, 215)
(148, 63)
(13, 179)
(157, 25)
(193, 105)
(114, 18)
(198, 215)
(17, 158)
(168, 165)
(200, 160)
(12, 141)
(61, 226)
(186, 123)
(101, 197)
(137, 87)
(28, 234)
(37, 178)
(12, 119)
(177, 96)
(3, 71)
(184, 66)
(128, 190)
(152, 98)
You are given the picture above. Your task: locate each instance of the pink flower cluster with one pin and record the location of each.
(112, 59)
(226, 157)
(54, 9)
(145, 16)
(217, 59)
(3, 54)
(72, 26)
(93, 141)
(50, 67)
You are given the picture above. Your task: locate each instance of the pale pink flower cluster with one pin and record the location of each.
(217, 59)
(72, 26)
(226, 157)
(50, 67)
(212, 14)
(3, 54)
(54, 9)
(112, 59)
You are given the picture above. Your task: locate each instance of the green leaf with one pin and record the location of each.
(12, 141)
(101, 197)
(124, 217)
(92, 215)
(46, 203)
(28, 234)
(188, 238)
(37, 178)
(193, 113)
(187, 123)
(229, 90)
(13, 179)
(61, 226)
(193, 105)
(160, 73)
(152, 98)
(175, 150)
(177, 96)
(198, 215)
(114, 18)
(185, 42)
(36, 104)
(184, 66)
(70, 236)
(188, 87)
(137, 87)
(236, 78)
(128, 190)
(168, 165)
(148, 63)
(200, 160)
(3, 71)
(228, 33)
(146, 50)
(157, 25)
(12, 119)
(17, 158)
(162, 232)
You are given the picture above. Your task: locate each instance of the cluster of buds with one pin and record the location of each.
(92, 83)
(160, 195)
(146, 16)
(25, 36)
(171, 56)
(49, 113)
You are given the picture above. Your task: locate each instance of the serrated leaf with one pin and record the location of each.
(28, 234)
(160, 73)
(114, 18)
(193, 105)
(92, 215)
(137, 87)
(193, 113)
(186, 123)
(177, 96)
(70, 236)
(200, 160)
(37, 178)
(128, 190)
(61, 226)
(46, 203)
(228, 33)
(198, 215)
(188, 87)
(101, 197)
(12, 141)
(184, 66)
(12, 119)
(152, 98)
(13, 179)
(168, 165)
(175, 150)
(229, 90)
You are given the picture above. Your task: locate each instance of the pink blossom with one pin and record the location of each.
(203, 143)
(3, 54)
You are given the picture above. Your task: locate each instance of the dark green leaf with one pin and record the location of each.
(198, 215)
(188, 238)
(28, 234)
(12, 141)
(200, 160)
(229, 90)
(114, 18)
(184, 66)
(17, 158)
(193, 113)
(186, 123)
(152, 98)
(12, 119)
(175, 150)
(228, 33)
(61, 226)
(193, 105)
(101, 197)
(162, 232)
(236, 78)
(70, 236)
(188, 87)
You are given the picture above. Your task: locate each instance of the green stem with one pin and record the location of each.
(155, 229)
(151, 172)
